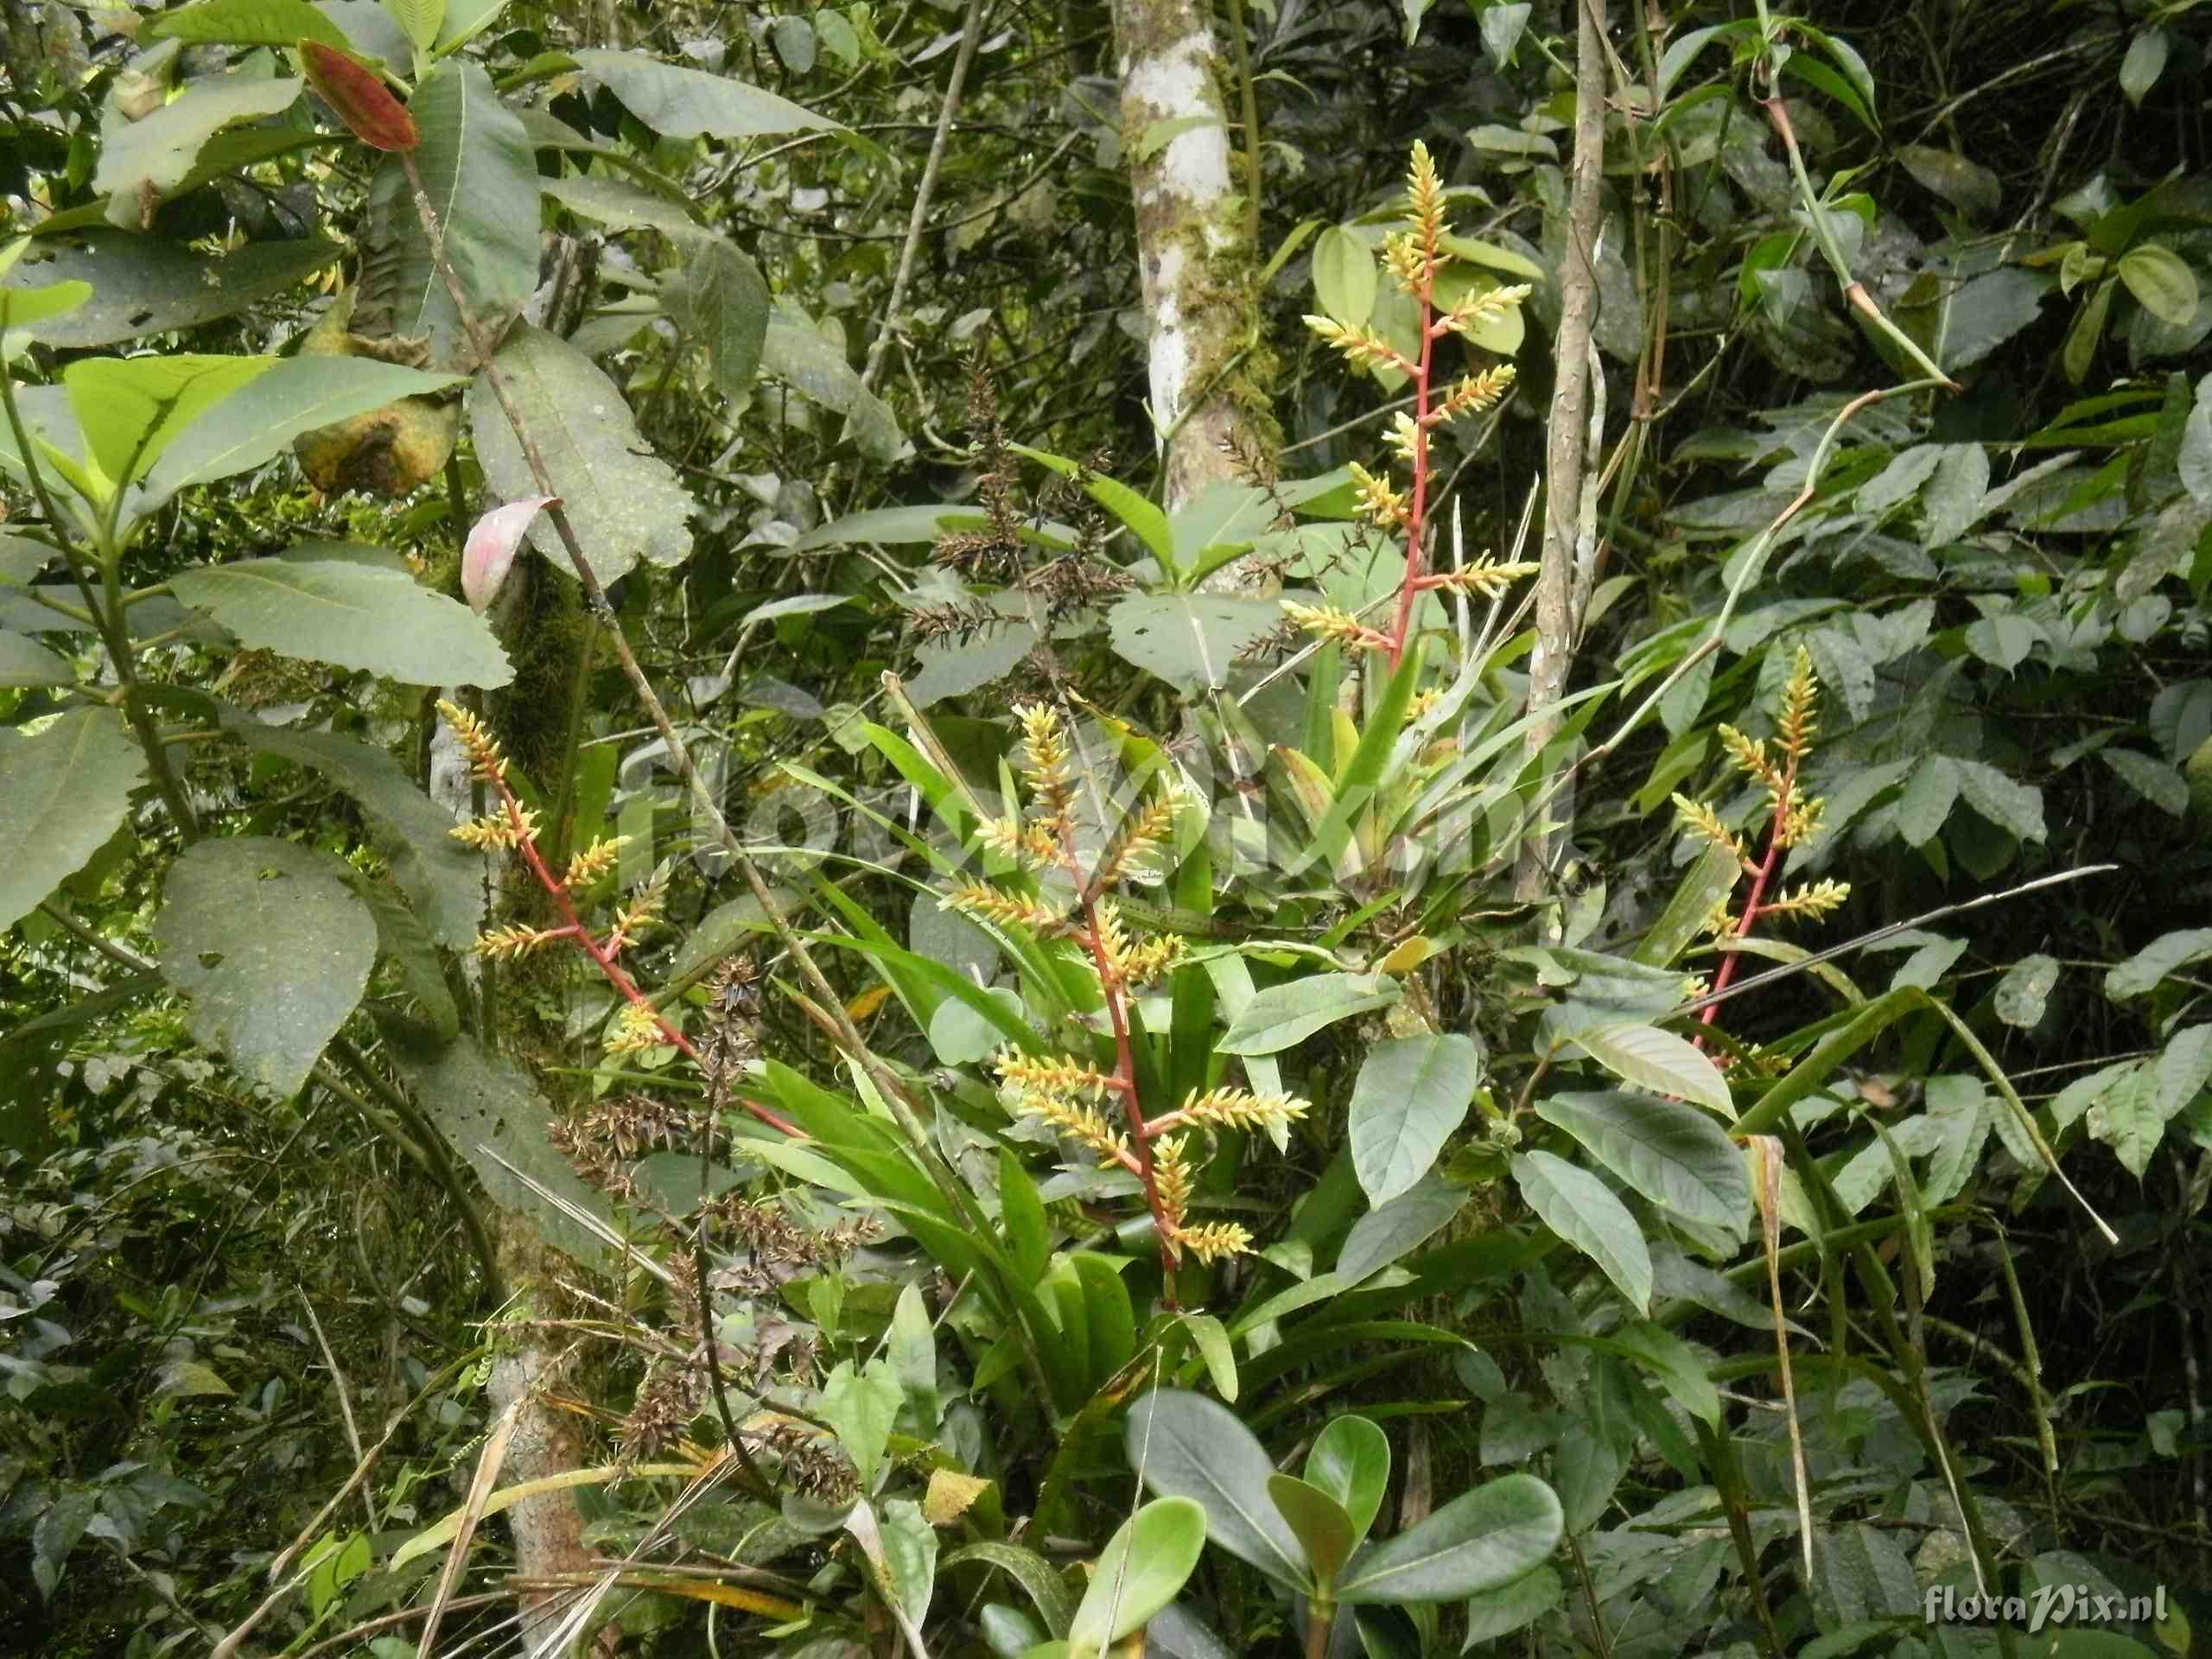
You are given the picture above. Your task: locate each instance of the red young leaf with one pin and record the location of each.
(358, 95)
(492, 545)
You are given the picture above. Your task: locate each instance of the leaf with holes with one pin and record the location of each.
(273, 948)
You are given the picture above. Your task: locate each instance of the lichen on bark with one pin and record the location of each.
(1207, 354)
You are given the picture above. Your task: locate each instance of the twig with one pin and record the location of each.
(971, 30)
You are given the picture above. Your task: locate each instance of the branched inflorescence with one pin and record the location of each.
(510, 826)
(1792, 820)
(1101, 1111)
(1416, 256)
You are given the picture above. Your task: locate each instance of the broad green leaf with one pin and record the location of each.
(421, 20)
(622, 205)
(1055, 1605)
(794, 351)
(910, 1554)
(1512, 1605)
(1320, 1523)
(1390, 1231)
(1351, 1462)
(21, 307)
(1967, 185)
(1344, 276)
(1676, 1156)
(2161, 785)
(465, 19)
(679, 103)
(273, 948)
(1677, 1365)
(718, 298)
(1711, 876)
(244, 22)
(1290, 1012)
(1142, 1568)
(2183, 1067)
(480, 173)
(1582, 1209)
(24, 662)
(2167, 954)
(2144, 62)
(2014, 807)
(404, 942)
(624, 504)
(1190, 640)
(1211, 1339)
(2162, 280)
(1478, 1542)
(444, 878)
(1411, 1094)
(148, 285)
(142, 162)
(260, 420)
(860, 1405)
(1184, 1445)
(356, 615)
(62, 794)
(1657, 1060)
(2126, 1118)
(130, 409)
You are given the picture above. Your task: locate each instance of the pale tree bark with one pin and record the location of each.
(1195, 242)
(1568, 448)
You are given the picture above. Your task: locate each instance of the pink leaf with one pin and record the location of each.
(491, 544)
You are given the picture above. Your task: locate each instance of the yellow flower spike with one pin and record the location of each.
(1214, 1241)
(995, 903)
(1475, 392)
(1800, 708)
(476, 742)
(1378, 500)
(1696, 815)
(1079, 1123)
(1820, 900)
(1054, 1075)
(593, 861)
(1424, 196)
(504, 943)
(1487, 577)
(636, 1029)
(1403, 437)
(1171, 1179)
(1240, 1108)
(1362, 348)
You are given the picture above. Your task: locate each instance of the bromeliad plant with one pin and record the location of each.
(1417, 257)
(1793, 818)
(1057, 895)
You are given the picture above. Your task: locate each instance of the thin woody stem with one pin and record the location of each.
(1416, 550)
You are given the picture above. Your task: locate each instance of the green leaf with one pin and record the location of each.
(1214, 1347)
(2167, 954)
(1967, 185)
(1029, 1570)
(1351, 1462)
(1190, 640)
(1582, 1209)
(680, 103)
(1657, 1060)
(2144, 62)
(481, 173)
(21, 307)
(63, 793)
(910, 1554)
(24, 662)
(2082, 340)
(2162, 282)
(1411, 1094)
(1142, 1568)
(2126, 1117)
(1290, 1012)
(405, 943)
(246, 22)
(860, 1405)
(142, 163)
(794, 351)
(273, 948)
(260, 420)
(1388, 1232)
(130, 409)
(1144, 520)
(361, 616)
(490, 1113)
(1674, 1154)
(1344, 276)
(718, 298)
(1677, 1365)
(1513, 1605)
(420, 20)
(2021, 994)
(148, 285)
(1320, 1523)
(1184, 1445)
(624, 504)
(1477, 1543)
(1021, 1214)
(1711, 877)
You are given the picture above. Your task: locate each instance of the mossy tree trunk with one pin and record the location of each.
(1195, 242)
